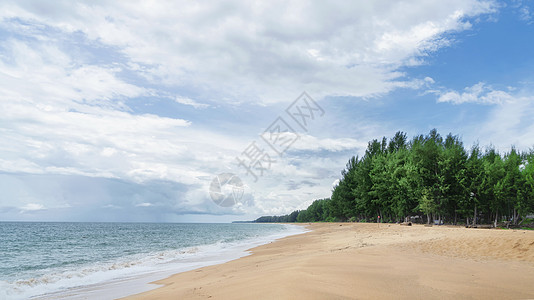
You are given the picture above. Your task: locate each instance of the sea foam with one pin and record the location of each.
(132, 273)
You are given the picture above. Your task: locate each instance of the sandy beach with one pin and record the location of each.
(367, 261)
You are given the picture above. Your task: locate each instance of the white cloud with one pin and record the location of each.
(429, 80)
(261, 51)
(310, 143)
(111, 206)
(510, 123)
(62, 118)
(525, 14)
(478, 93)
(509, 118)
(523, 10)
(32, 207)
(190, 102)
(69, 70)
(33, 71)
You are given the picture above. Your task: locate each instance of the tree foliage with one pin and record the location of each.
(429, 177)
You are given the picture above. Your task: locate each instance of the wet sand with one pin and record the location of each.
(367, 261)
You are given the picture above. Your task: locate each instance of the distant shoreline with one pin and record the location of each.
(369, 260)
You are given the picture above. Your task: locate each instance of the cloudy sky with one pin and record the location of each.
(127, 110)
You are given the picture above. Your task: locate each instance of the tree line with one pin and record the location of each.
(429, 178)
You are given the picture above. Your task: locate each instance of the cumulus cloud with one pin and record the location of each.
(261, 51)
(71, 72)
(479, 93)
(62, 117)
(508, 115)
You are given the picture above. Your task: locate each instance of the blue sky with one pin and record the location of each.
(127, 111)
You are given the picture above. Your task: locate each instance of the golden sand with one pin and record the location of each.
(367, 261)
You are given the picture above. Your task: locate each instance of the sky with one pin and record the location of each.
(127, 111)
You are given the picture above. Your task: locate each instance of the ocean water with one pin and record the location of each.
(109, 260)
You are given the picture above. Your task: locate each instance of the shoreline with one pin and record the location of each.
(136, 275)
(367, 260)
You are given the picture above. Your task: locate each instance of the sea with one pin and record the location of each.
(45, 260)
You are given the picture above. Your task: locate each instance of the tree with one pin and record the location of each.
(527, 194)
(427, 156)
(382, 185)
(398, 142)
(452, 175)
(513, 185)
(427, 204)
(429, 175)
(343, 201)
(474, 177)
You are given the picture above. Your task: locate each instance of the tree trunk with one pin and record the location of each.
(475, 217)
(380, 216)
